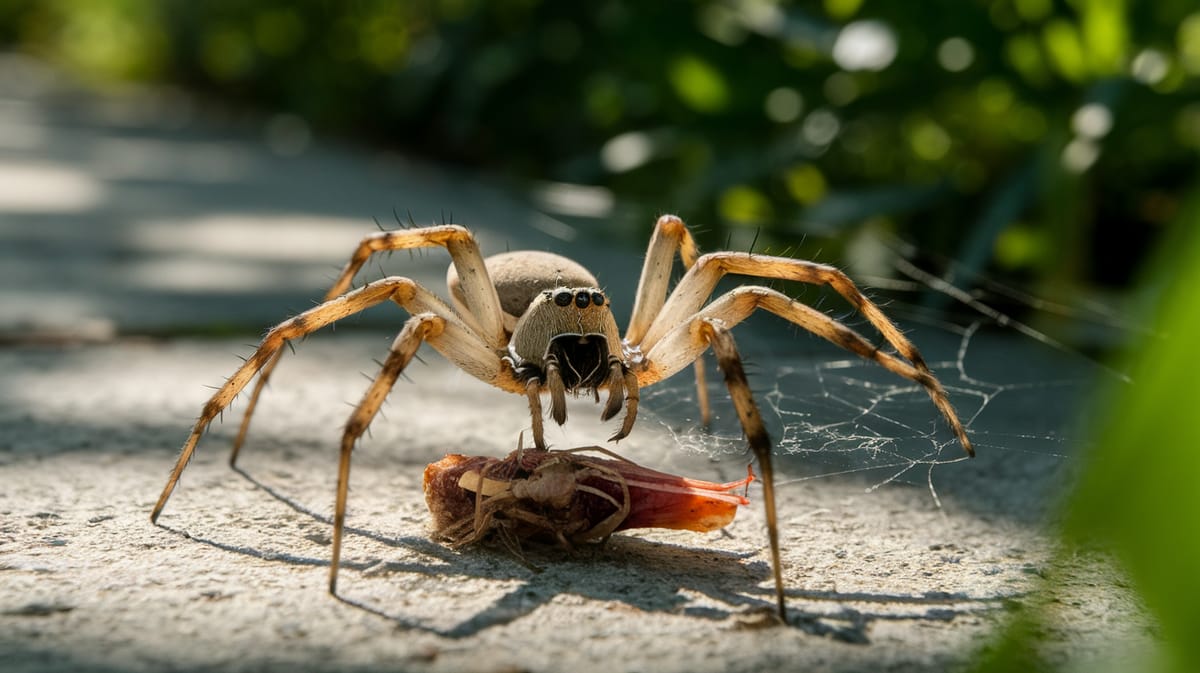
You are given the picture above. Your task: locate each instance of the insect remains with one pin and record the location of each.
(567, 497)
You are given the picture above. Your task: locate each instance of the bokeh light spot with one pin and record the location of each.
(1189, 43)
(742, 204)
(783, 105)
(226, 54)
(820, 127)
(842, 9)
(928, 140)
(1150, 66)
(840, 89)
(1080, 154)
(806, 184)
(698, 84)
(1092, 120)
(955, 54)
(865, 45)
(1020, 246)
(626, 151)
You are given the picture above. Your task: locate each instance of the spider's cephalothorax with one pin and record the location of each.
(534, 322)
(565, 333)
(567, 342)
(563, 337)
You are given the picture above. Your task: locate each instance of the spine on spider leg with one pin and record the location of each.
(271, 344)
(212, 408)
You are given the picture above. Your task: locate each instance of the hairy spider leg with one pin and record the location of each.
(697, 285)
(417, 330)
(717, 335)
(483, 305)
(673, 330)
(433, 322)
(670, 236)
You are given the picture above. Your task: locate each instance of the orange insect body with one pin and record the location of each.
(569, 496)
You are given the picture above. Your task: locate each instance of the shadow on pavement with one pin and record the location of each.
(645, 575)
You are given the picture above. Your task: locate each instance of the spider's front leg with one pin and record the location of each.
(433, 321)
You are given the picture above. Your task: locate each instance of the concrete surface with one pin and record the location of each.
(126, 217)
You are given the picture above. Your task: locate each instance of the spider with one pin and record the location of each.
(535, 323)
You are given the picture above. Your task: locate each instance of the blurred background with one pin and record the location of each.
(1048, 143)
(1038, 156)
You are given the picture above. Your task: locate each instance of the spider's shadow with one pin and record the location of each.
(648, 576)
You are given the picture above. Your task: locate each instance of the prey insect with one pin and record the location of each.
(538, 324)
(567, 497)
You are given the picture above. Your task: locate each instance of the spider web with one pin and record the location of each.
(832, 415)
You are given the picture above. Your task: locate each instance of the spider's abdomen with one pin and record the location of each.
(520, 276)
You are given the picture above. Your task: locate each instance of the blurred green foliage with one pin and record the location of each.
(1139, 492)
(1137, 495)
(1046, 138)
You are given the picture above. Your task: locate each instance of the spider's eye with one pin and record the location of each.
(582, 299)
(562, 298)
(597, 299)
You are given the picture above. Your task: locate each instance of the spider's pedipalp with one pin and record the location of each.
(632, 397)
(533, 391)
(558, 392)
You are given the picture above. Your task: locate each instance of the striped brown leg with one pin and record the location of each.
(433, 322)
(720, 339)
(418, 329)
(482, 309)
(694, 289)
(670, 236)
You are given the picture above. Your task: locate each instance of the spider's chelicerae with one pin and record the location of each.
(536, 323)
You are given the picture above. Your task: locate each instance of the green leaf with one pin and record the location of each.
(1140, 492)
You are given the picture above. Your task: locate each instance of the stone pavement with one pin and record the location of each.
(143, 244)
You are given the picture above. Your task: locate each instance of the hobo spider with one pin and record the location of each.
(533, 322)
